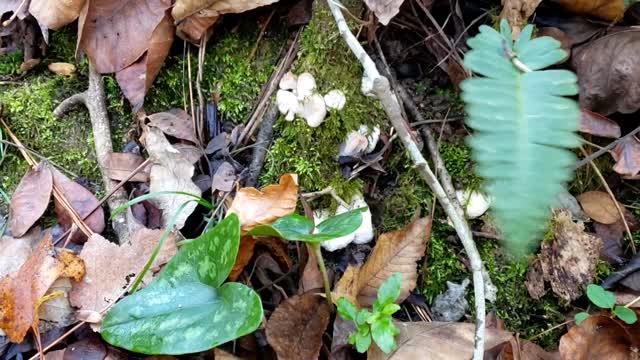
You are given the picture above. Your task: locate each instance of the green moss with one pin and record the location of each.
(10, 63)
(441, 264)
(457, 160)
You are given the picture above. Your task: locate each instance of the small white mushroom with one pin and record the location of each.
(305, 86)
(313, 110)
(287, 104)
(355, 144)
(333, 244)
(335, 99)
(289, 82)
(373, 135)
(475, 203)
(364, 234)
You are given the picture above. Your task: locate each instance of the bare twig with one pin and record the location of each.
(329, 190)
(263, 141)
(391, 106)
(603, 150)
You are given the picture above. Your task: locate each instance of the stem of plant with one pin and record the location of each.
(323, 270)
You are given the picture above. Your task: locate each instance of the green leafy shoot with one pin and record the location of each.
(376, 325)
(606, 300)
(188, 308)
(524, 127)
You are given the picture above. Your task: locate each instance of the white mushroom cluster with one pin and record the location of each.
(360, 142)
(298, 97)
(363, 235)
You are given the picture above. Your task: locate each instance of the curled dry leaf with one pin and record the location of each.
(20, 292)
(30, 199)
(608, 72)
(396, 251)
(62, 68)
(208, 8)
(119, 165)
(193, 27)
(569, 262)
(517, 12)
(437, 341)
(627, 156)
(599, 337)
(55, 14)
(599, 206)
(295, 328)
(596, 124)
(384, 10)
(136, 79)
(112, 268)
(605, 9)
(116, 33)
(255, 207)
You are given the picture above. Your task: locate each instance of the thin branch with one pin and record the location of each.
(391, 106)
(603, 150)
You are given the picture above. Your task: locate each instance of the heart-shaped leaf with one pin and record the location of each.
(601, 297)
(625, 314)
(186, 308)
(296, 227)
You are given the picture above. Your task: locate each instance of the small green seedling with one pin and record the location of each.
(377, 324)
(606, 300)
(296, 227)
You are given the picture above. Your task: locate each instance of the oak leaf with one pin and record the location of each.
(30, 199)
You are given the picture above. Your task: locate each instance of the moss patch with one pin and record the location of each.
(457, 160)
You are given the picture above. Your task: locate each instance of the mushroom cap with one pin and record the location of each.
(313, 110)
(372, 134)
(289, 81)
(474, 202)
(288, 103)
(335, 99)
(305, 85)
(364, 234)
(355, 144)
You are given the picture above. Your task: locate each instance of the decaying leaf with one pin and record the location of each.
(596, 124)
(569, 262)
(599, 337)
(396, 251)
(116, 33)
(517, 12)
(112, 268)
(58, 310)
(82, 200)
(384, 10)
(119, 165)
(245, 253)
(208, 8)
(611, 10)
(608, 72)
(62, 68)
(15, 251)
(437, 341)
(599, 206)
(20, 292)
(30, 199)
(255, 207)
(311, 277)
(611, 235)
(193, 27)
(55, 14)
(295, 328)
(627, 156)
(224, 178)
(136, 79)
(176, 123)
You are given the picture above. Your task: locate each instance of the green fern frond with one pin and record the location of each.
(524, 127)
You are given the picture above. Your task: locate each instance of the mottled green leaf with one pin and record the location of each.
(186, 308)
(625, 314)
(601, 297)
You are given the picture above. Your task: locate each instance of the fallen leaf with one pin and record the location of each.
(396, 251)
(82, 200)
(101, 287)
(627, 156)
(119, 165)
(311, 278)
(116, 33)
(599, 206)
(437, 341)
(569, 262)
(255, 207)
(193, 27)
(384, 10)
(55, 14)
(15, 251)
(611, 10)
(90, 347)
(224, 178)
(295, 328)
(29, 64)
(30, 199)
(219, 354)
(176, 123)
(58, 310)
(245, 253)
(136, 79)
(278, 249)
(170, 172)
(208, 8)
(517, 12)
(596, 124)
(609, 73)
(190, 153)
(340, 348)
(21, 291)
(611, 235)
(598, 337)
(61, 68)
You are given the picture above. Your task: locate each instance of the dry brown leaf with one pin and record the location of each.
(219, 354)
(245, 253)
(62, 68)
(311, 278)
(136, 79)
(596, 124)
(396, 251)
(29, 64)
(598, 337)
(608, 72)
(611, 235)
(116, 33)
(531, 351)
(385, 10)
(193, 27)
(295, 328)
(15, 251)
(208, 8)
(569, 262)
(82, 200)
(176, 123)
(278, 249)
(30, 199)
(599, 206)
(101, 288)
(255, 207)
(224, 178)
(627, 156)
(119, 165)
(58, 310)
(517, 12)
(21, 291)
(605, 9)
(437, 341)
(55, 14)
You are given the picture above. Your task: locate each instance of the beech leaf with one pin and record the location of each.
(30, 199)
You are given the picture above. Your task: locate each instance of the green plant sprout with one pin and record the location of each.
(296, 227)
(377, 324)
(606, 300)
(188, 307)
